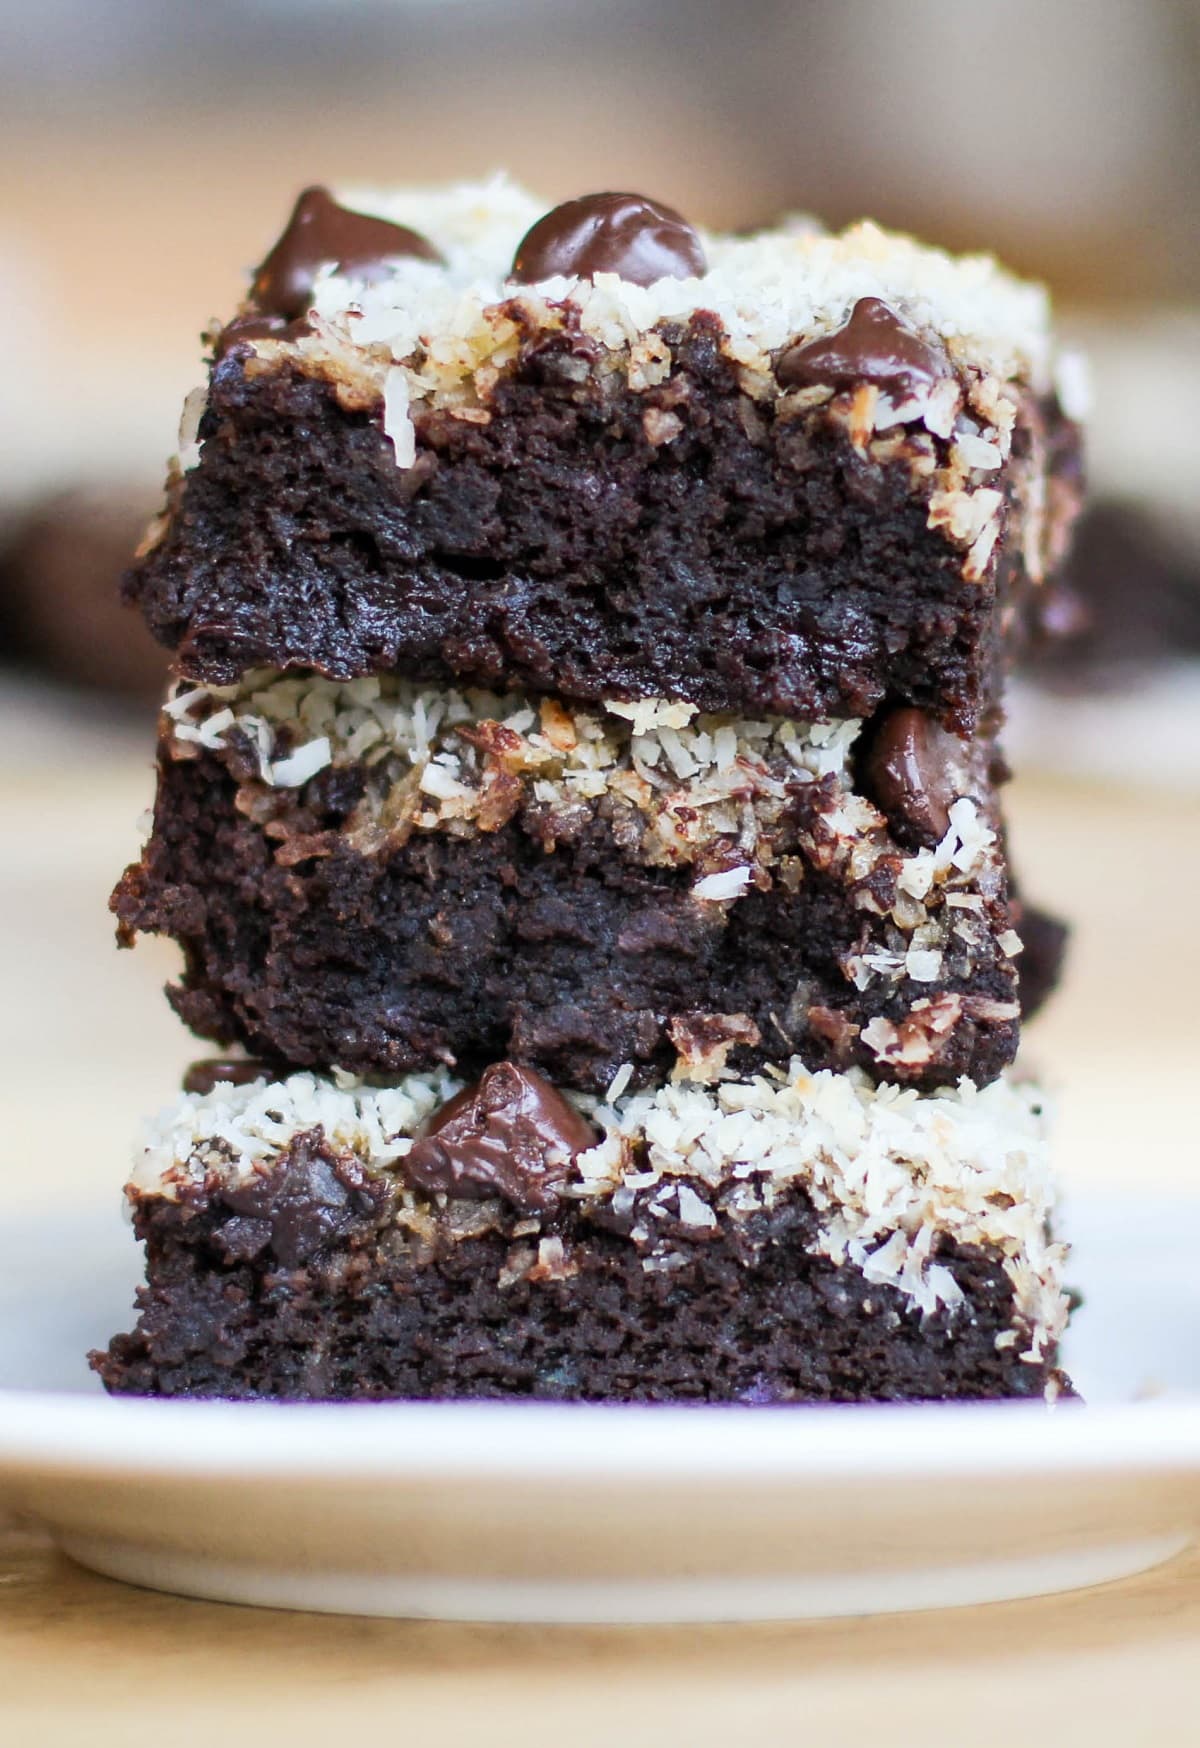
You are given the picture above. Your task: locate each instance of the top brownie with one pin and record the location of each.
(601, 453)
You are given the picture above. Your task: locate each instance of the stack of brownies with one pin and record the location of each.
(577, 808)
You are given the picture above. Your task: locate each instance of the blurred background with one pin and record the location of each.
(151, 154)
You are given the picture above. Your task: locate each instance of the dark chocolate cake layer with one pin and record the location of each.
(511, 895)
(747, 1316)
(496, 1258)
(761, 561)
(597, 452)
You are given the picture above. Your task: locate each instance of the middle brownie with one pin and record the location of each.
(389, 877)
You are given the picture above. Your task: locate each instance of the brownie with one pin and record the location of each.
(318, 1276)
(812, 511)
(578, 812)
(547, 903)
(370, 1319)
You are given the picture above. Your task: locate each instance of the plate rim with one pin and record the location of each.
(44, 1433)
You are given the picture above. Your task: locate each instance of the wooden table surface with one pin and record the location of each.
(84, 1036)
(86, 1660)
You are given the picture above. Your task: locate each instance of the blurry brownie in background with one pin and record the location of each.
(61, 561)
(1127, 602)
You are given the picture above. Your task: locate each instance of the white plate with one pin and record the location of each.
(546, 1512)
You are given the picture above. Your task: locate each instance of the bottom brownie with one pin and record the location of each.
(752, 1243)
(751, 1318)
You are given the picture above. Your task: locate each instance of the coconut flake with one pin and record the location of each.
(397, 420)
(304, 763)
(194, 404)
(694, 1210)
(731, 883)
(647, 714)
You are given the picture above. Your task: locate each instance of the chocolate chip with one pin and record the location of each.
(202, 1077)
(913, 770)
(510, 1134)
(638, 239)
(874, 346)
(250, 328)
(322, 233)
(307, 1202)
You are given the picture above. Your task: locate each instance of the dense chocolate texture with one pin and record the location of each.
(343, 1304)
(1044, 940)
(568, 955)
(756, 562)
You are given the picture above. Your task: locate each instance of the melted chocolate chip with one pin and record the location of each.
(610, 233)
(874, 346)
(510, 1134)
(306, 1203)
(319, 233)
(249, 328)
(202, 1077)
(913, 771)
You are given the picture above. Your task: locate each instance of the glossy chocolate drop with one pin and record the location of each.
(203, 1076)
(874, 346)
(307, 1202)
(627, 234)
(255, 327)
(914, 770)
(510, 1134)
(322, 233)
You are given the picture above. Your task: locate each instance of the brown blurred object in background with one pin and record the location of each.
(1128, 600)
(60, 608)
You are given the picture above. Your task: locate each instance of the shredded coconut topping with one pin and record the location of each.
(890, 1172)
(765, 289)
(423, 334)
(714, 793)
(466, 760)
(235, 1130)
(887, 1169)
